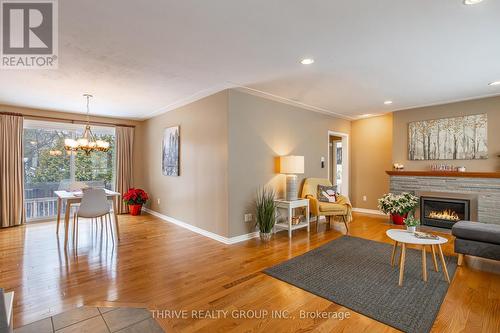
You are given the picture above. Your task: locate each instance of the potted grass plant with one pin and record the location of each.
(265, 212)
(398, 206)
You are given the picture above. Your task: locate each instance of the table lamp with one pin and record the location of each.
(291, 166)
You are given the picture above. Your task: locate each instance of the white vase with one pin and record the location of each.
(411, 229)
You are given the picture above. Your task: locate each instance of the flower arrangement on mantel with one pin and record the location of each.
(398, 205)
(135, 198)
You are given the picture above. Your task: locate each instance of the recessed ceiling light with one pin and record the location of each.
(495, 83)
(472, 2)
(388, 102)
(307, 61)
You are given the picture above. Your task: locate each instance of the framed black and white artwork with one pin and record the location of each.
(170, 151)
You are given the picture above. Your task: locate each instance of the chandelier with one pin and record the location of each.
(88, 142)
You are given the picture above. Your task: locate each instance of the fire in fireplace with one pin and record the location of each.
(443, 212)
(446, 214)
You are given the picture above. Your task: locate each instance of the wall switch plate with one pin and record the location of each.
(364, 197)
(248, 217)
(158, 200)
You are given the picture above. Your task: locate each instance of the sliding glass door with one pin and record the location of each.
(48, 167)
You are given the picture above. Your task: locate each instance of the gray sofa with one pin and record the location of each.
(476, 239)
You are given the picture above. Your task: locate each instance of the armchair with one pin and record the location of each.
(341, 208)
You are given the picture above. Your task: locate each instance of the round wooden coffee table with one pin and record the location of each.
(404, 237)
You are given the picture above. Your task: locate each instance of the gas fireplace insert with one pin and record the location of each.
(444, 212)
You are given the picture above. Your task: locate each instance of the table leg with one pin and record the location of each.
(115, 212)
(434, 258)
(307, 218)
(424, 264)
(402, 264)
(289, 222)
(445, 270)
(59, 204)
(400, 254)
(66, 222)
(394, 249)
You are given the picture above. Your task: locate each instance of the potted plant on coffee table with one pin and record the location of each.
(265, 212)
(135, 198)
(398, 206)
(411, 223)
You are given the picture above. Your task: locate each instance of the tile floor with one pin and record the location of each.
(96, 320)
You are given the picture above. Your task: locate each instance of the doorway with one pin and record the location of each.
(338, 161)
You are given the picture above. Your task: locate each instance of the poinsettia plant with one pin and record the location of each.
(135, 196)
(398, 203)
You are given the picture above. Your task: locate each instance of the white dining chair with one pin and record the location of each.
(94, 205)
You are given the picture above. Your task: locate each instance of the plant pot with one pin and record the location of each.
(265, 236)
(398, 219)
(135, 209)
(411, 229)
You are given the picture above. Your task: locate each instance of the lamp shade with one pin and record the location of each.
(292, 164)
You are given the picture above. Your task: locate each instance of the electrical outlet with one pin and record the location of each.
(364, 198)
(248, 217)
(158, 200)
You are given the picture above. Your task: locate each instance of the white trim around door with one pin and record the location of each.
(345, 160)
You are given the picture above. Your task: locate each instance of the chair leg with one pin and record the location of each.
(344, 218)
(460, 259)
(75, 229)
(74, 225)
(108, 217)
(106, 224)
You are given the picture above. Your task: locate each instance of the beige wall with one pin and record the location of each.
(230, 142)
(491, 106)
(260, 130)
(371, 156)
(199, 195)
(379, 142)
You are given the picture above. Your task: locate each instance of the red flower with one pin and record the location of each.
(135, 197)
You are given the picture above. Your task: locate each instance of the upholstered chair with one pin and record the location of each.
(340, 209)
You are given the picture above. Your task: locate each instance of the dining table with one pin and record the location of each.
(74, 197)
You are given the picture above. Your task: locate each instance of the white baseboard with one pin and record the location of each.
(203, 232)
(368, 211)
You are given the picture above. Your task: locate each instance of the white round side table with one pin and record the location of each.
(404, 237)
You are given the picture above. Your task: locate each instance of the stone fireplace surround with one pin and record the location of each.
(485, 188)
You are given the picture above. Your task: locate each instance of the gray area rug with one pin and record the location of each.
(357, 273)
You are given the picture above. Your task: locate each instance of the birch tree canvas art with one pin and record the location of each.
(458, 138)
(170, 151)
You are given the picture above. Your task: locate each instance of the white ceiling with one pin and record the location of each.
(142, 58)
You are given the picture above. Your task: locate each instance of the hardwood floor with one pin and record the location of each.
(168, 268)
